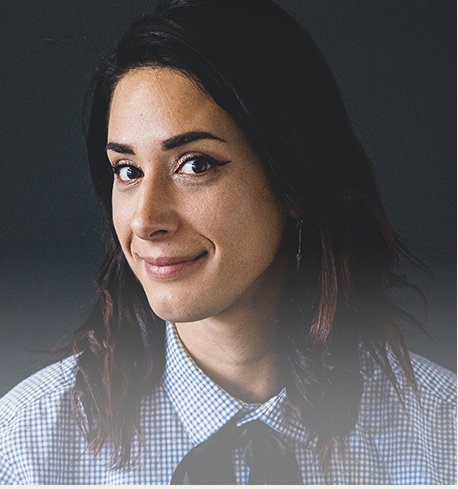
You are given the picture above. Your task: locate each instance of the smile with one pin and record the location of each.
(167, 267)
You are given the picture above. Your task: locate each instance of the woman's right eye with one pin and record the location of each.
(127, 173)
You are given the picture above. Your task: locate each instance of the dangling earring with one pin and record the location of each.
(299, 256)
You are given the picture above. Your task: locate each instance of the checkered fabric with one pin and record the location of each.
(40, 442)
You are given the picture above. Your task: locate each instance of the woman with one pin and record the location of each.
(243, 331)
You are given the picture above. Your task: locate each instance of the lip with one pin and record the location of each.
(165, 267)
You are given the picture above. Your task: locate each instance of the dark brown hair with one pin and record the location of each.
(265, 71)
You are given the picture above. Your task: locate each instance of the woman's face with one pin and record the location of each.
(196, 218)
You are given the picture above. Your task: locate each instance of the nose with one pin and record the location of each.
(155, 215)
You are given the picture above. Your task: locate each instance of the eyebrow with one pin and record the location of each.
(120, 148)
(187, 137)
(171, 143)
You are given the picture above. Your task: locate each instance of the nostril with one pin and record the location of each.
(159, 231)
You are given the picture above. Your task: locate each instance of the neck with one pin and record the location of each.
(242, 359)
(238, 347)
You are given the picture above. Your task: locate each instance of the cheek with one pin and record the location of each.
(245, 223)
(121, 220)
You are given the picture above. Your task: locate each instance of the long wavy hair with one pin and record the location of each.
(265, 71)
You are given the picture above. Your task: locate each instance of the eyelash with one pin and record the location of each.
(116, 168)
(206, 159)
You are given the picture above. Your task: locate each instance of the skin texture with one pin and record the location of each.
(199, 226)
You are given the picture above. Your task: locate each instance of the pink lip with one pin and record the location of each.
(165, 267)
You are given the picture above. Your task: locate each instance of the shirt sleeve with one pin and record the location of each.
(10, 473)
(28, 415)
(438, 429)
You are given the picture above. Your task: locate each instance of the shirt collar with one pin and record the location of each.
(204, 407)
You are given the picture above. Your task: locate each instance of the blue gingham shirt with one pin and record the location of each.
(40, 442)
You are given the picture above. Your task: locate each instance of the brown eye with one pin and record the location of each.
(127, 173)
(195, 166)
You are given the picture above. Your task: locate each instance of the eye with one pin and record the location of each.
(127, 173)
(197, 164)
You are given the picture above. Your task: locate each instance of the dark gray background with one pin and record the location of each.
(395, 63)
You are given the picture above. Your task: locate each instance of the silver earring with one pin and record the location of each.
(299, 256)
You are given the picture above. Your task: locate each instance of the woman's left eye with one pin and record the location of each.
(197, 165)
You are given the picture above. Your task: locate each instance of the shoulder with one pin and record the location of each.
(413, 438)
(433, 404)
(29, 417)
(431, 409)
(51, 382)
(434, 381)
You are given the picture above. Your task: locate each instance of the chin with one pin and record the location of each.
(173, 312)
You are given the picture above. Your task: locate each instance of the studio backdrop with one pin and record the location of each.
(395, 63)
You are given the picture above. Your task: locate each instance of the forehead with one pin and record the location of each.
(166, 100)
